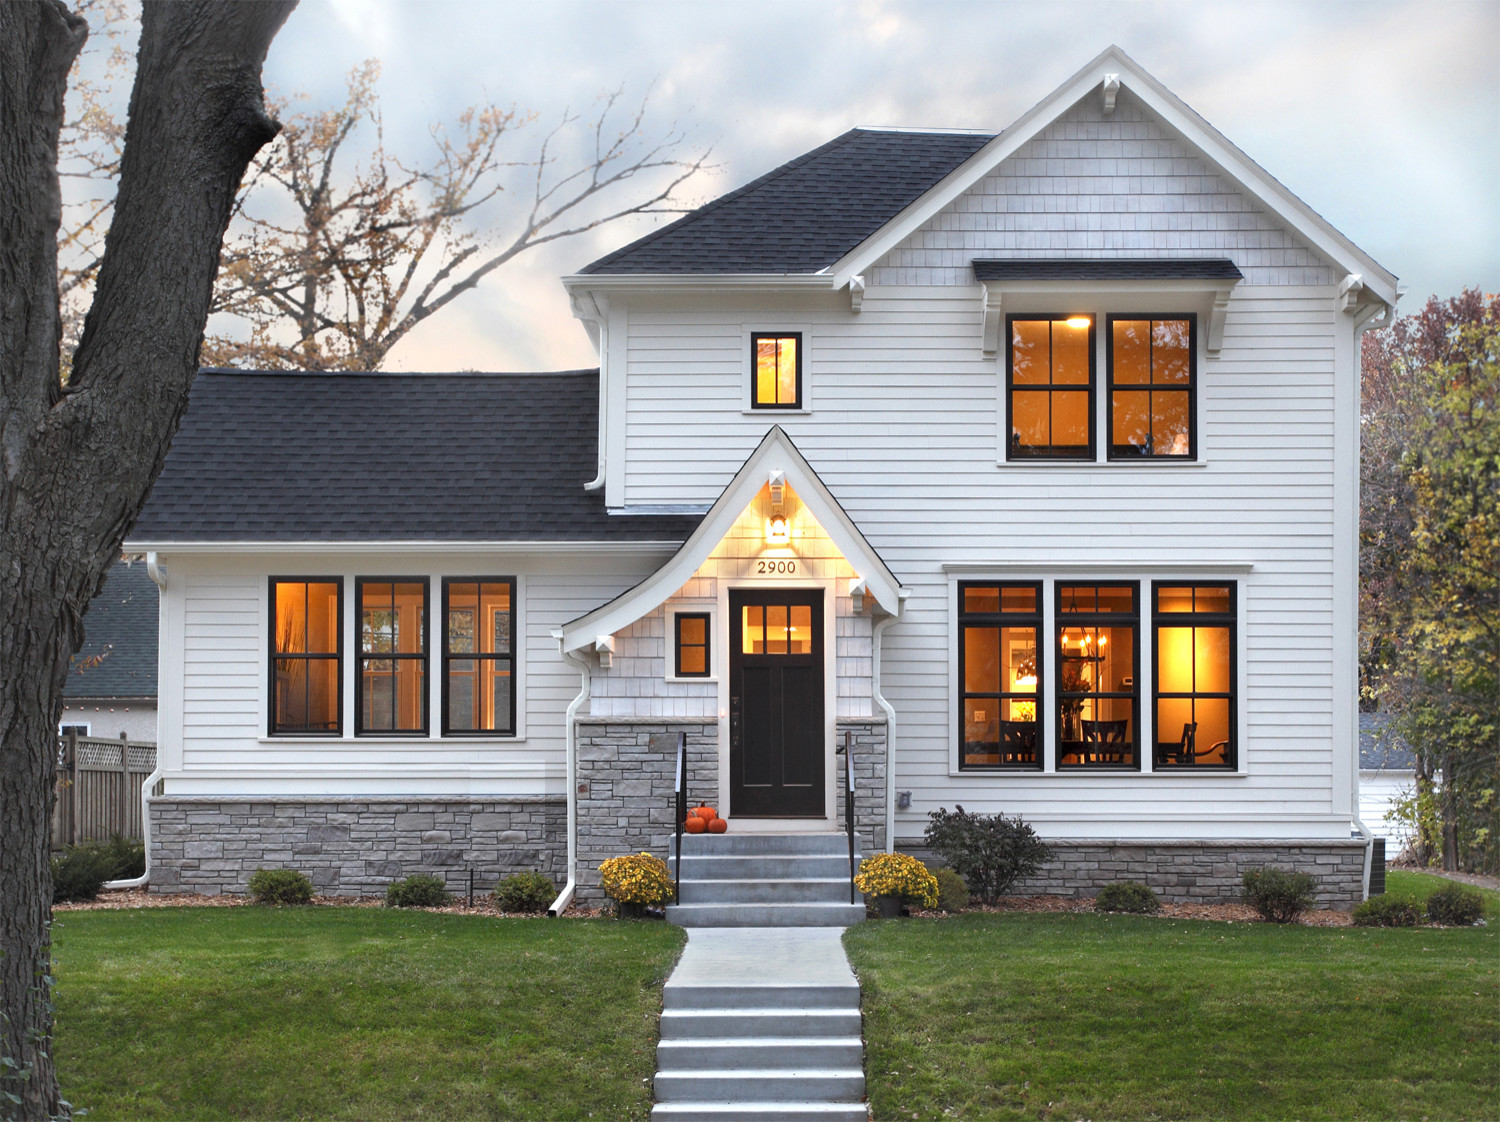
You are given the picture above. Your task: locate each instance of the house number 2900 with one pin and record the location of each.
(776, 566)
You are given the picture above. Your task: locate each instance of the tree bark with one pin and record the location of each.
(77, 463)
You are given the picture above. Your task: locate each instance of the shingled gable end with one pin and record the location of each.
(1024, 462)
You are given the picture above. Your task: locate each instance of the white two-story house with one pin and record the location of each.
(1025, 464)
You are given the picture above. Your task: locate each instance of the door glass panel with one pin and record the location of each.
(753, 629)
(776, 629)
(801, 637)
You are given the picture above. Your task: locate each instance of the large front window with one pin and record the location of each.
(1194, 675)
(1050, 387)
(479, 694)
(1000, 668)
(1096, 689)
(305, 662)
(392, 656)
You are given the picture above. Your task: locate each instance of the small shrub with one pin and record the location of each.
(280, 886)
(128, 857)
(1127, 896)
(420, 890)
(79, 872)
(898, 874)
(636, 878)
(953, 891)
(525, 892)
(990, 851)
(1455, 906)
(1279, 895)
(1386, 910)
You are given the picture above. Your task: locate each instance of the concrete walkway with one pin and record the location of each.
(748, 956)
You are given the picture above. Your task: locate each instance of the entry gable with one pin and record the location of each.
(776, 460)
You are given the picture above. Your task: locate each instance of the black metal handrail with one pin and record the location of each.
(849, 807)
(682, 801)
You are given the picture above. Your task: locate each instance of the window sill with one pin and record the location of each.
(1112, 773)
(1112, 465)
(753, 412)
(711, 679)
(392, 739)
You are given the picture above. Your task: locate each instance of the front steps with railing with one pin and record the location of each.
(765, 880)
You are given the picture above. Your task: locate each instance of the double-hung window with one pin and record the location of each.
(1000, 671)
(1194, 675)
(776, 370)
(1152, 363)
(306, 663)
(690, 644)
(1049, 387)
(479, 696)
(1097, 693)
(392, 671)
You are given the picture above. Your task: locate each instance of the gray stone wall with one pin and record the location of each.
(867, 742)
(627, 773)
(1179, 872)
(353, 847)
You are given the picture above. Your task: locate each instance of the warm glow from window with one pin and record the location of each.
(1078, 321)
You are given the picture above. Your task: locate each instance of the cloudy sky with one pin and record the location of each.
(1384, 117)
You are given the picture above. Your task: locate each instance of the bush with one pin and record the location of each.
(1455, 906)
(1279, 895)
(636, 878)
(990, 851)
(1386, 910)
(128, 857)
(280, 886)
(952, 890)
(420, 890)
(79, 872)
(898, 874)
(1127, 896)
(525, 892)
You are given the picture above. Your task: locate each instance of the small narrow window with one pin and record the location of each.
(1194, 648)
(1096, 689)
(692, 659)
(999, 672)
(306, 623)
(479, 697)
(1152, 362)
(1050, 387)
(777, 381)
(392, 656)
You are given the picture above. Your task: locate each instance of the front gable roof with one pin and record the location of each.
(775, 453)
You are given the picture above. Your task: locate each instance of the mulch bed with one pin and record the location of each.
(1222, 913)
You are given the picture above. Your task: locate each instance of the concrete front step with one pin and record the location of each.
(740, 1024)
(765, 915)
(764, 1052)
(810, 890)
(823, 842)
(749, 996)
(762, 1085)
(761, 866)
(764, 1112)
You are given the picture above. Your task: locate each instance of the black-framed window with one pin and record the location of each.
(307, 615)
(690, 644)
(392, 669)
(1194, 675)
(1000, 673)
(1097, 692)
(1049, 387)
(776, 370)
(479, 694)
(1152, 370)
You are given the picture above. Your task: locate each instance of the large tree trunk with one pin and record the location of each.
(78, 462)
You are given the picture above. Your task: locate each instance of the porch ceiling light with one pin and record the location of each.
(776, 531)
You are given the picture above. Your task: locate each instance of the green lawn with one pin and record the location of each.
(208, 1013)
(1084, 1016)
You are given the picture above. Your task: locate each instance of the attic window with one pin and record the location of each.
(777, 364)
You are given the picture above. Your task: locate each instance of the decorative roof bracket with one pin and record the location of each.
(1350, 290)
(1110, 91)
(992, 301)
(1216, 316)
(856, 293)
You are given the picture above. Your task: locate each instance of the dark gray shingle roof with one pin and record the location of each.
(806, 214)
(120, 632)
(284, 457)
(1379, 750)
(1125, 268)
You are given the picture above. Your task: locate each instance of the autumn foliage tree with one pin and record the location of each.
(1430, 561)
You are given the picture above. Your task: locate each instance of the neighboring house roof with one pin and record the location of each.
(806, 214)
(295, 457)
(1380, 750)
(118, 657)
(1094, 269)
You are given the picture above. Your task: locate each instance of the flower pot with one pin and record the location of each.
(890, 906)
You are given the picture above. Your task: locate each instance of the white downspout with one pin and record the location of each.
(566, 895)
(890, 731)
(159, 575)
(598, 480)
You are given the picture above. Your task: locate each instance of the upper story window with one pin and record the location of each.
(1152, 367)
(776, 381)
(479, 695)
(392, 671)
(999, 667)
(306, 623)
(1194, 675)
(1049, 387)
(691, 643)
(1096, 689)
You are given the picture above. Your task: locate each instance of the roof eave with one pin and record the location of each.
(728, 282)
(365, 545)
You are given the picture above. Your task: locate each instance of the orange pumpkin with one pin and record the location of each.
(694, 824)
(707, 813)
(718, 826)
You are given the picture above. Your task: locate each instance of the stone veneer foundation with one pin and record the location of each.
(353, 847)
(1206, 872)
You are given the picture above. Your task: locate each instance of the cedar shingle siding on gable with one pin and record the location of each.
(806, 214)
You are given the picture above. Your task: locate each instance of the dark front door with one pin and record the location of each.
(776, 702)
